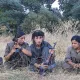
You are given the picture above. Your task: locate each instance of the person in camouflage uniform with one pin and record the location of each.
(17, 52)
(41, 51)
(72, 58)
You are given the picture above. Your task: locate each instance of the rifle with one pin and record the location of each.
(41, 70)
(50, 56)
(39, 59)
(15, 40)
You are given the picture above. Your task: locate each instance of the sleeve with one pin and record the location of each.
(68, 54)
(7, 50)
(33, 58)
(49, 46)
(28, 47)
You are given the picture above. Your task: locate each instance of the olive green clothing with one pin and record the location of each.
(72, 55)
(18, 59)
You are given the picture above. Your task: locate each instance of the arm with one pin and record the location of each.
(25, 51)
(8, 53)
(68, 58)
(7, 57)
(74, 65)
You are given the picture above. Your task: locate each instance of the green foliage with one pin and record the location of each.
(32, 5)
(44, 19)
(75, 11)
(29, 22)
(46, 1)
(10, 5)
(12, 18)
(12, 15)
(35, 5)
(70, 8)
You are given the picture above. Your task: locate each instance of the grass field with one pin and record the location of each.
(25, 74)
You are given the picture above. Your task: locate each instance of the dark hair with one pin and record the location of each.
(37, 33)
(76, 37)
(19, 34)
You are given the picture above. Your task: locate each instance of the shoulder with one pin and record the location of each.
(69, 48)
(26, 43)
(46, 43)
(32, 45)
(10, 43)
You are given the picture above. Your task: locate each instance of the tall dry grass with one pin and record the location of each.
(62, 36)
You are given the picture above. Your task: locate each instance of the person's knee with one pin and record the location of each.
(66, 66)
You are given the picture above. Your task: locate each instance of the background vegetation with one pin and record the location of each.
(32, 14)
(38, 14)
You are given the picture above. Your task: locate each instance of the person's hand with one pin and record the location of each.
(37, 65)
(75, 66)
(51, 51)
(17, 46)
(78, 65)
(44, 66)
(13, 50)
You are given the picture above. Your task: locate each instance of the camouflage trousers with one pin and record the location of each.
(16, 63)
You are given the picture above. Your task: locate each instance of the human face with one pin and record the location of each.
(21, 39)
(75, 44)
(38, 40)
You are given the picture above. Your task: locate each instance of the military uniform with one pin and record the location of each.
(41, 55)
(72, 55)
(18, 59)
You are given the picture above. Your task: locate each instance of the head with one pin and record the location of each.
(75, 40)
(19, 37)
(38, 37)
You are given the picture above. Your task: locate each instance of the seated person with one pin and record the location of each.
(72, 59)
(17, 52)
(41, 51)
